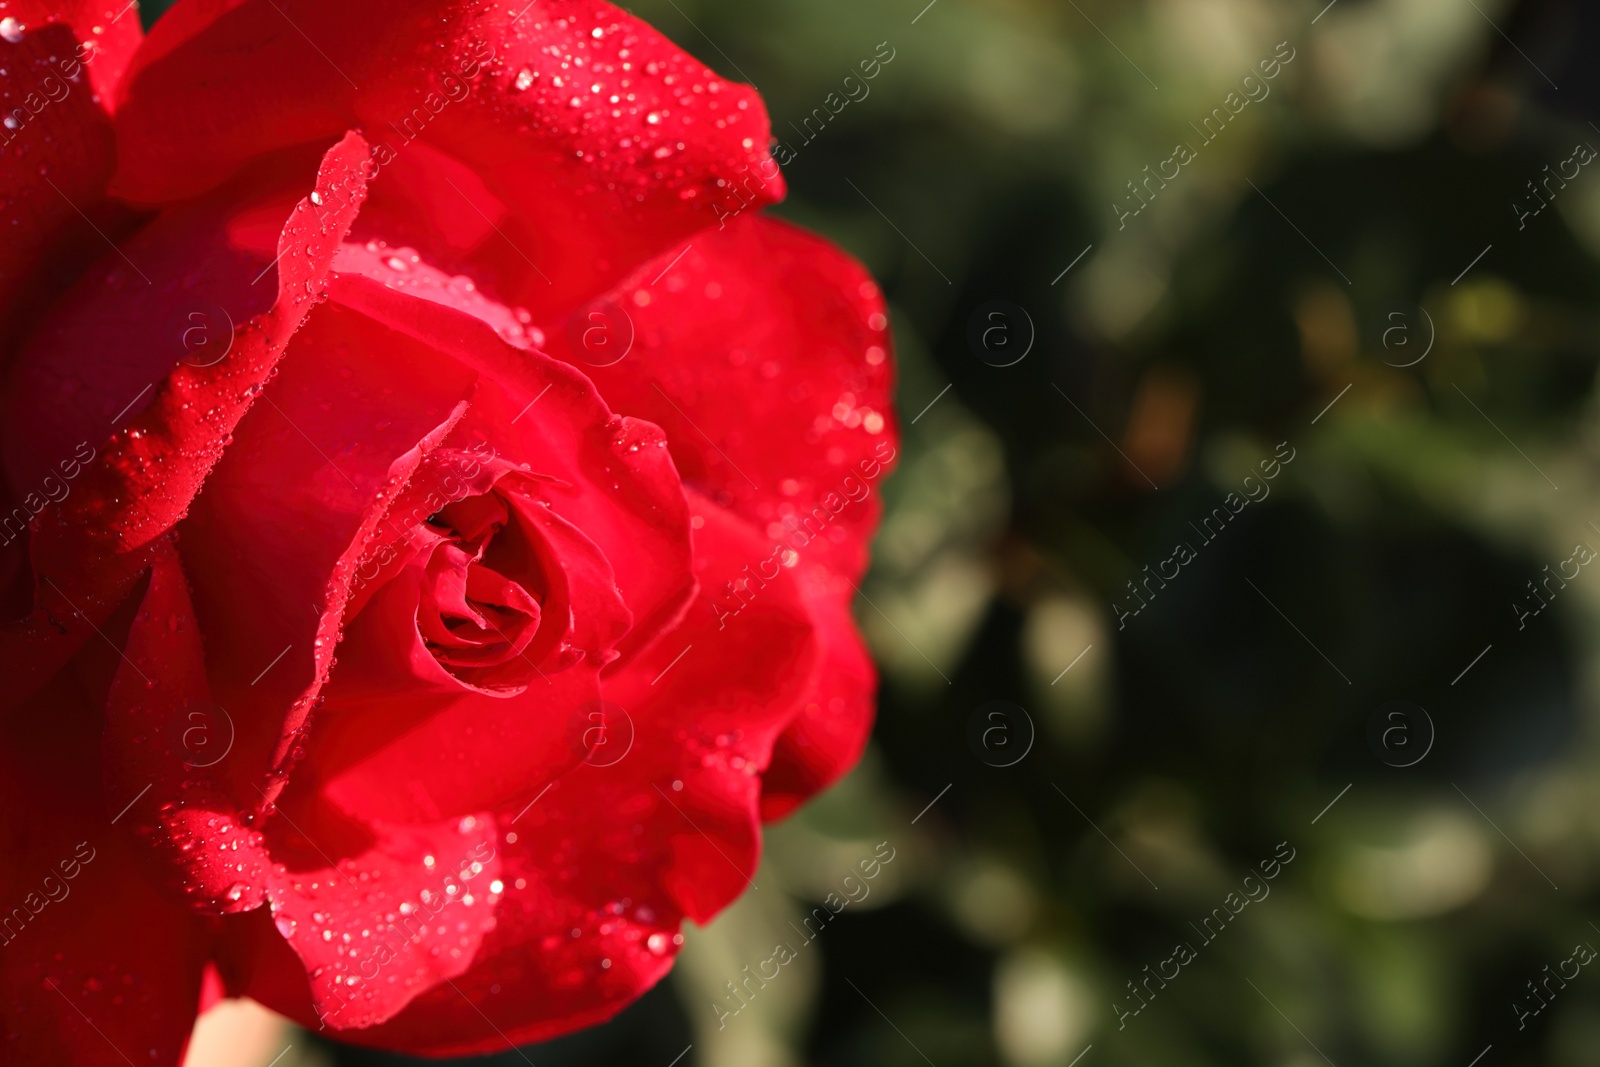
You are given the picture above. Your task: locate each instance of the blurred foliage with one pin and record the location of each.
(1256, 289)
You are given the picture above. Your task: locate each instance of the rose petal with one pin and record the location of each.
(93, 362)
(591, 906)
(340, 892)
(189, 820)
(762, 352)
(99, 965)
(831, 729)
(56, 145)
(574, 184)
(400, 911)
(90, 548)
(307, 481)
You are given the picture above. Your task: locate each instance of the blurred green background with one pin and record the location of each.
(1319, 250)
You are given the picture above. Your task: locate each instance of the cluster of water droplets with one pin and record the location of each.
(403, 269)
(601, 937)
(201, 406)
(631, 107)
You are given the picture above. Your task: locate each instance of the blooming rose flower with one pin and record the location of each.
(433, 503)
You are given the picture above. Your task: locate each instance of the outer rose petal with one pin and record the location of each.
(620, 854)
(835, 719)
(581, 186)
(97, 22)
(90, 363)
(107, 967)
(90, 548)
(371, 913)
(763, 353)
(57, 132)
(395, 916)
(158, 683)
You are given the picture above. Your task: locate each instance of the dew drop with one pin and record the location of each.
(12, 30)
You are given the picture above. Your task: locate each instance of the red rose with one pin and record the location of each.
(434, 498)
